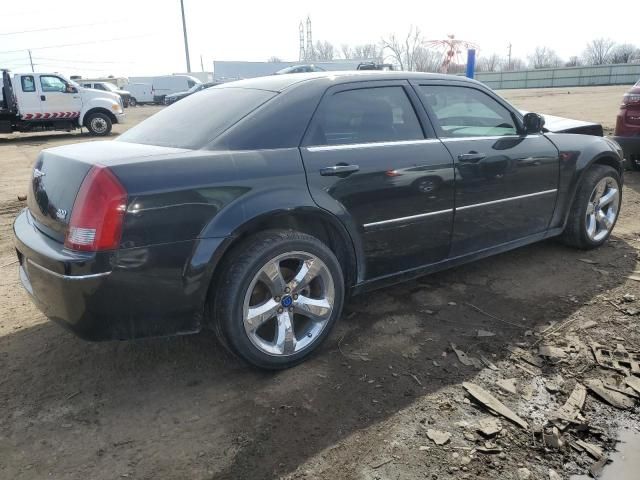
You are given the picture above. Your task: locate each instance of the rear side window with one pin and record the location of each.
(365, 115)
(467, 112)
(28, 84)
(198, 119)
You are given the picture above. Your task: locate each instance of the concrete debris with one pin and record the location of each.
(588, 324)
(619, 359)
(492, 403)
(489, 427)
(551, 352)
(553, 438)
(553, 385)
(489, 448)
(438, 437)
(596, 469)
(486, 333)
(571, 408)
(524, 474)
(465, 359)
(553, 475)
(518, 353)
(593, 450)
(613, 398)
(508, 385)
(627, 297)
(488, 363)
(589, 261)
(633, 382)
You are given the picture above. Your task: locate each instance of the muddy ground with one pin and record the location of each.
(176, 408)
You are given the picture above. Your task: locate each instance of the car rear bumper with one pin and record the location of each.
(124, 294)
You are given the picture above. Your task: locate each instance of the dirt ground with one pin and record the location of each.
(363, 407)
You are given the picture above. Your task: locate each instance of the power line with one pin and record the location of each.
(80, 43)
(63, 27)
(64, 60)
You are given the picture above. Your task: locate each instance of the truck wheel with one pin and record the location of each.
(595, 208)
(279, 294)
(132, 102)
(98, 124)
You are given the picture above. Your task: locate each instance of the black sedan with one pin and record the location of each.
(174, 97)
(256, 207)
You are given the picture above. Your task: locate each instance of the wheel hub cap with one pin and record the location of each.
(602, 209)
(288, 304)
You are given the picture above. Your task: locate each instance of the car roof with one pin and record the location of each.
(279, 83)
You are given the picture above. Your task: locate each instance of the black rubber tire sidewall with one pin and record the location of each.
(239, 270)
(133, 102)
(105, 117)
(575, 233)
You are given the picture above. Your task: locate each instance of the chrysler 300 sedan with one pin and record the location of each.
(254, 208)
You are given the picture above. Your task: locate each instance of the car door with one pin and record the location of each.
(28, 98)
(57, 100)
(369, 160)
(506, 181)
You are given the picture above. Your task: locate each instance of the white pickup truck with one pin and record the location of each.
(31, 102)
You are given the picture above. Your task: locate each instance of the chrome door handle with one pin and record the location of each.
(338, 170)
(471, 157)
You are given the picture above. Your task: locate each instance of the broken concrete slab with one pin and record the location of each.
(571, 408)
(618, 359)
(465, 359)
(633, 382)
(594, 450)
(552, 352)
(438, 437)
(508, 385)
(613, 398)
(488, 363)
(489, 427)
(492, 403)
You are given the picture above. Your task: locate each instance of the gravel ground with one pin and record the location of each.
(176, 408)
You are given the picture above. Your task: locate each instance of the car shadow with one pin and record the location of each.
(181, 407)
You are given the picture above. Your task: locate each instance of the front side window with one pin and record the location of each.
(99, 86)
(28, 84)
(366, 115)
(49, 83)
(467, 112)
(190, 83)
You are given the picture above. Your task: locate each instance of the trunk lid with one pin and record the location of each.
(59, 172)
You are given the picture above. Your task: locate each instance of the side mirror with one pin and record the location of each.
(533, 123)
(71, 89)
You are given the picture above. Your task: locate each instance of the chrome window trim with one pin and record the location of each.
(354, 146)
(411, 217)
(508, 199)
(492, 137)
(67, 277)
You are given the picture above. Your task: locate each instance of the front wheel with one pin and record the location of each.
(98, 124)
(595, 208)
(133, 102)
(278, 296)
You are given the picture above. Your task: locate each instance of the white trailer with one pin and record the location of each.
(140, 92)
(167, 84)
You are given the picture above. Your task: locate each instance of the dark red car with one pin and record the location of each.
(627, 132)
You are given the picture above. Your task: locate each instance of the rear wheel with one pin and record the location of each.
(133, 102)
(279, 295)
(98, 124)
(595, 208)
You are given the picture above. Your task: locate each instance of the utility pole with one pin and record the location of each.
(186, 42)
(201, 64)
(31, 61)
(509, 56)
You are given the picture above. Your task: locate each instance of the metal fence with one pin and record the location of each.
(623, 74)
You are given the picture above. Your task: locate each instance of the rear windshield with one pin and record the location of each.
(198, 119)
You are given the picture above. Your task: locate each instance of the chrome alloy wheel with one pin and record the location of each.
(288, 303)
(602, 209)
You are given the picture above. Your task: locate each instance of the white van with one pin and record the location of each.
(140, 92)
(166, 84)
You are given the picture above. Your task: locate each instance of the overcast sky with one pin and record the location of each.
(139, 37)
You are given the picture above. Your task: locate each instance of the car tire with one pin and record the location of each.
(98, 124)
(595, 208)
(133, 102)
(262, 312)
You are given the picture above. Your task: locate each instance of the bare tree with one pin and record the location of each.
(426, 60)
(274, 59)
(492, 63)
(347, 51)
(574, 61)
(403, 50)
(514, 65)
(367, 51)
(598, 51)
(324, 51)
(544, 57)
(624, 53)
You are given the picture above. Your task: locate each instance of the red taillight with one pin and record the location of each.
(98, 212)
